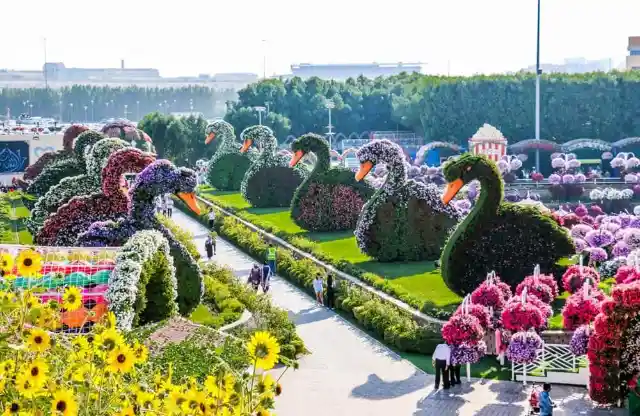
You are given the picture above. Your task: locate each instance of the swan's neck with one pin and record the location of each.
(397, 175)
(268, 147)
(142, 205)
(323, 162)
(227, 143)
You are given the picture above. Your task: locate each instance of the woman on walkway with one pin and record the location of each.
(317, 287)
(330, 292)
(208, 245)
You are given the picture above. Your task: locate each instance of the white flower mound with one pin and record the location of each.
(487, 131)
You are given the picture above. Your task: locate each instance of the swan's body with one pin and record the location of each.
(330, 199)
(73, 218)
(503, 237)
(159, 178)
(404, 220)
(269, 182)
(85, 184)
(227, 167)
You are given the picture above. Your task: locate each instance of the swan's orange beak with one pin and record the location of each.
(246, 145)
(209, 138)
(365, 168)
(296, 158)
(452, 190)
(190, 200)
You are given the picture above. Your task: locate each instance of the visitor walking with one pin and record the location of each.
(317, 287)
(169, 207)
(159, 209)
(271, 258)
(441, 360)
(454, 374)
(212, 218)
(266, 277)
(330, 292)
(546, 405)
(255, 277)
(633, 397)
(208, 246)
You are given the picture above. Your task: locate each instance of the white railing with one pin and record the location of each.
(551, 358)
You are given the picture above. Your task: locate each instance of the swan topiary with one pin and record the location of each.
(269, 182)
(404, 220)
(330, 199)
(503, 237)
(129, 132)
(227, 167)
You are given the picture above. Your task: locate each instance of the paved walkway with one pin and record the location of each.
(350, 374)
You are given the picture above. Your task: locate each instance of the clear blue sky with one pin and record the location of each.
(188, 37)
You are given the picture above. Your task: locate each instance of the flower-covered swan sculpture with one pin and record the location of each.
(404, 220)
(129, 132)
(85, 184)
(269, 182)
(330, 199)
(159, 178)
(73, 218)
(227, 167)
(498, 236)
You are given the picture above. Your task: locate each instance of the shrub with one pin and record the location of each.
(226, 172)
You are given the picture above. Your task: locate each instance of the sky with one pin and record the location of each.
(191, 37)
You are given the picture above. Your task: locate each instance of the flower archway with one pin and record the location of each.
(608, 376)
(422, 151)
(532, 144)
(577, 144)
(626, 142)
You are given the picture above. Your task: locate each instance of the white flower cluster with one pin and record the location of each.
(610, 194)
(626, 161)
(630, 351)
(123, 283)
(487, 131)
(99, 156)
(565, 161)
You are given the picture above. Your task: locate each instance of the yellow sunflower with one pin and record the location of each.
(80, 347)
(120, 360)
(262, 412)
(6, 263)
(26, 387)
(127, 410)
(29, 263)
(140, 352)
(36, 372)
(72, 298)
(12, 408)
(38, 340)
(64, 403)
(265, 384)
(264, 350)
(196, 402)
(174, 401)
(7, 367)
(108, 340)
(147, 402)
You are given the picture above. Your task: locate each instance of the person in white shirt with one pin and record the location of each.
(441, 361)
(212, 218)
(317, 287)
(169, 207)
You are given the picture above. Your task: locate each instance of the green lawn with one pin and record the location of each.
(14, 214)
(421, 279)
(488, 367)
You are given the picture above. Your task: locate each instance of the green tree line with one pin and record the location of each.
(597, 105)
(68, 104)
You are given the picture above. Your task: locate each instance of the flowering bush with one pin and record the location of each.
(99, 373)
(405, 220)
(519, 316)
(575, 276)
(468, 353)
(627, 274)
(462, 329)
(480, 312)
(545, 308)
(524, 347)
(580, 309)
(489, 295)
(537, 287)
(580, 340)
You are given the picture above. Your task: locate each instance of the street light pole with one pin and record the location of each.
(538, 71)
(85, 113)
(138, 110)
(126, 106)
(70, 112)
(330, 105)
(93, 118)
(259, 110)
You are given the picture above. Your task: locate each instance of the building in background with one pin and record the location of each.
(341, 72)
(575, 66)
(633, 60)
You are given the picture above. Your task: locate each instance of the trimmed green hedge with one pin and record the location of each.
(156, 298)
(389, 324)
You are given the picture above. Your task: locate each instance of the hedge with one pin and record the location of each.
(389, 324)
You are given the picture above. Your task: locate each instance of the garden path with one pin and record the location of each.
(350, 373)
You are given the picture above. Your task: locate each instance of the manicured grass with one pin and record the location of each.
(203, 316)
(421, 279)
(14, 221)
(487, 368)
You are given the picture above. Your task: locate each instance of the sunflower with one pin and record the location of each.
(72, 298)
(147, 402)
(12, 408)
(120, 360)
(195, 403)
(127, 410)
(140, 352)
(26, 387)
(263, 349)
(83, 373)
(174, 401)
(36, 372)
(29, 263)
(265, 384)
(262, 412)
(108, 340)
(64, 403)
(6, 263)
(31, 301)
(80, 347)
(7, 367)
(38, 340)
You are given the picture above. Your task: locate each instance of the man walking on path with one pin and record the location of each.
(266, 277)
(441, 360)
(212, 218)
(271, 258)
(169, 207)
(330, 292)
(210, 246)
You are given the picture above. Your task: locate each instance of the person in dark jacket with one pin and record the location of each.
(208, 246)
(266, 276)
(255, 277)
(330, 292)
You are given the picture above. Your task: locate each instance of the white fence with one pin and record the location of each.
(555, 364)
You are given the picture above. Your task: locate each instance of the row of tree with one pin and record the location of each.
(89, 103)
(598, 105)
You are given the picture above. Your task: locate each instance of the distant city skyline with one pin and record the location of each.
(194, 37)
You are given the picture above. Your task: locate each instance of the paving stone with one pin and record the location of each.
(348, 373)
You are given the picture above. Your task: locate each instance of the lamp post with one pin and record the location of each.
(138, 110)
(107, 104)
(30, 109)
(60, 106)
(126, 113)
(85, 113)
(260, 110)
(191, 105)
(70, 112)
(329, 106)
(93, 118)
(538, 72)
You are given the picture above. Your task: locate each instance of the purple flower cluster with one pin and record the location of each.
(466, 353)
(524, 347)
(599, 238)
(580, 340)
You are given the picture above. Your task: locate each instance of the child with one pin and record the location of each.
(546, 405)
(317, 287)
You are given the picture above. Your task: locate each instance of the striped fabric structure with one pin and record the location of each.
(493, 149)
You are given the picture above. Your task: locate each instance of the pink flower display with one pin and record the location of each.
(480, 312)
(488, 295)
(461, 329)
(518, 316)
(575, 276)
(580, 309)
(537, 287)
(340, 214)
(545, 308)
(627, 274)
